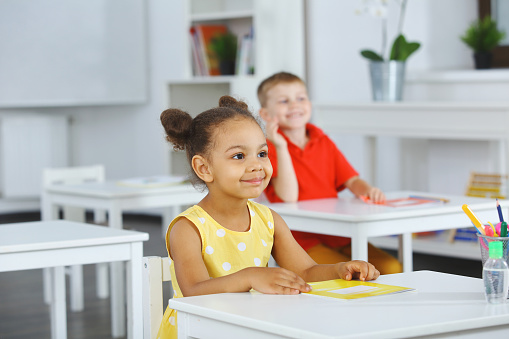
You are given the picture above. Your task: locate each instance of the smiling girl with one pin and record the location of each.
(224, 243)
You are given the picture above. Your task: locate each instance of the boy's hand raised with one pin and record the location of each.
(271, 127)
(276, 280)
(357, 269)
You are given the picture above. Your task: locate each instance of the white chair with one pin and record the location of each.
(69, 176)
(156, 271)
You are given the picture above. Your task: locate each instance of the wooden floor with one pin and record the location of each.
(23, 314)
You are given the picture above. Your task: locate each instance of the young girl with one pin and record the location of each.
(224, 243)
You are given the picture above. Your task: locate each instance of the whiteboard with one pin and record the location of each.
(72, 52)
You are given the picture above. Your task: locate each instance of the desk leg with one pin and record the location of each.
(57, 307)
(117, 283)
(134, 292)
(49, 211)
(183, 325)
(405, 253)
(359, 248)
(101, 270)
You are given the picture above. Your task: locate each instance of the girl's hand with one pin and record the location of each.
(276, 280)
(376, 195)
(357, 269)
(271, 127)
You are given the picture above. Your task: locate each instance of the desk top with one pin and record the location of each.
(441, 303)
(352, 209)
(40, 235)
(112, 189)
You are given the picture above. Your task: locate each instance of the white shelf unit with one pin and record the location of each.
(279, 40)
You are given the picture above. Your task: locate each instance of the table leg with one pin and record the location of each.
(57, 306)
(134, 293)
(49, 211)
(101, 270)
(360, 248)
(117, 283)
(405, 253)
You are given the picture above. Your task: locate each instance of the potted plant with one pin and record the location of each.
(388, 72)
(482, 37)
(224, 47)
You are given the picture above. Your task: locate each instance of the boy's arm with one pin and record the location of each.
(285, 184)
(360, 187)
(193, 277)
(288, 254)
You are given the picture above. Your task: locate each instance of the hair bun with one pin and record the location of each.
(228, 101)
(177, 125)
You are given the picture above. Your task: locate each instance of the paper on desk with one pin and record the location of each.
(353, 289)
(152, 181)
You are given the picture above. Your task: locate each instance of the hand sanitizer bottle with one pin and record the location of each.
(496, 274)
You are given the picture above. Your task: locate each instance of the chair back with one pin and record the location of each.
(156, 271)
(73, 176)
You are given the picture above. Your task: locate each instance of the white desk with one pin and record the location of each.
(351, 217)
(55, 244)
(443, 304)
(115, 199)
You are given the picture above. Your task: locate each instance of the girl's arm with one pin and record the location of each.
(288, 254)
(193, 277)
(285, 184)
(360, 187)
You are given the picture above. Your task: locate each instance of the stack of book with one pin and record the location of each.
(245, 55)
(206, 63)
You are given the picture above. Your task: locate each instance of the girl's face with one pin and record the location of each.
(239, 161)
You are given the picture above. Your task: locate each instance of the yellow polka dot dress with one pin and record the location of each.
(223, 251)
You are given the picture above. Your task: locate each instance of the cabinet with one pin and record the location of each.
(279, 45)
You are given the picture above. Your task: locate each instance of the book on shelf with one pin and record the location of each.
(204, 59)
(199, 63)
(245, 55)
(353, 289)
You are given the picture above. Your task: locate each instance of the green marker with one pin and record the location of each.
(503, 229)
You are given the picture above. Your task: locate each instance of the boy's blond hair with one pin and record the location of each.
(273, 80)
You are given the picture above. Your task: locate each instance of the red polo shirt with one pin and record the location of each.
(321, 170)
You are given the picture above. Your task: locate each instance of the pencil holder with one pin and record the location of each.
(484, 240)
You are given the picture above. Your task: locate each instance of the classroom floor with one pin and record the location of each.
(23, 314)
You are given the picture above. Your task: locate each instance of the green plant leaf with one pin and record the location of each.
(371, 55)
(402, 49)
(224, 46)
(483, 35)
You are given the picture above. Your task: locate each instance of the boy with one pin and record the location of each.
(308, 165)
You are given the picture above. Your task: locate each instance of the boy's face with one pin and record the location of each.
(289, 104)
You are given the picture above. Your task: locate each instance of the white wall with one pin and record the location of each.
(128, 139)
(337, 72)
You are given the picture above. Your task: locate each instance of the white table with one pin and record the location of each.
(350, 217)
(443, 304)
(55, 244)
(115, 199)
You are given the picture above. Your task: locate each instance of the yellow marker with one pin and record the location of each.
(494, 230)
(473, 218)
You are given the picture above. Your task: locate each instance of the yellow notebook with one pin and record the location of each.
(353, 289)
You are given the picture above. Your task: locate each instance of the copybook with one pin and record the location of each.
(353, 289)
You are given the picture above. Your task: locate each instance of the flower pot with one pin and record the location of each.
(387, 80)
(483, 60)
(227, 67)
